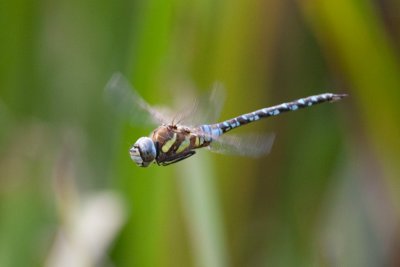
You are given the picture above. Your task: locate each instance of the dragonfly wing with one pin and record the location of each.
(205, 108)
(128, 103)
(252, 145)
(211, 104)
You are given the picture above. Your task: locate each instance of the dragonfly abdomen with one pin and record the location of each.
(225, 126)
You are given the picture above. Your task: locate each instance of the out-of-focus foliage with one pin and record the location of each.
(327, 195)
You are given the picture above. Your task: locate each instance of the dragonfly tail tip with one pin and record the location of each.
(337, 97)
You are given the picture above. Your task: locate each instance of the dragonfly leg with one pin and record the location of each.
(177, 158)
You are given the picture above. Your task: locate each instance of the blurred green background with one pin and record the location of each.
(326, 195)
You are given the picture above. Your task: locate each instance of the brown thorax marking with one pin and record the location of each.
(174, 140)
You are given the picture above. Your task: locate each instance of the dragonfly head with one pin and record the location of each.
(143, 152)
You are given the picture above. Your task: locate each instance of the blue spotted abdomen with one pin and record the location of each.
(215, 130)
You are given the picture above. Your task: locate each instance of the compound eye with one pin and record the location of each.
(143, 152)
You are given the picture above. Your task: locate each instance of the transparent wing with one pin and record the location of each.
(200, 109)
(194, 111)
(128, 103)
(252, 145)
(208, 106)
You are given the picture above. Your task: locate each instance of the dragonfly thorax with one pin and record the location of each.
(143, 152)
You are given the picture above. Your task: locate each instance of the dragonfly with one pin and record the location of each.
(172, 141)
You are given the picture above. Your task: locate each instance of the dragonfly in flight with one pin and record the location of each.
(172, 142)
